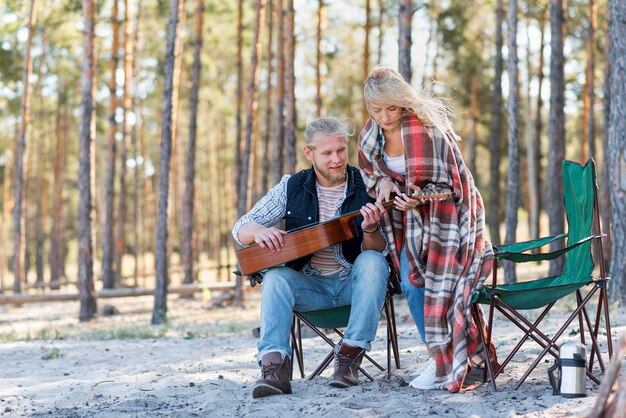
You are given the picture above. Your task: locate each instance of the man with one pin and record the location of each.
(354, 272)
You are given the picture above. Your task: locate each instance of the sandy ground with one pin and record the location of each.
(203, 363)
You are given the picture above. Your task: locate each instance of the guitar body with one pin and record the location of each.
(297, 244)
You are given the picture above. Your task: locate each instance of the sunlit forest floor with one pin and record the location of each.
(203, 362)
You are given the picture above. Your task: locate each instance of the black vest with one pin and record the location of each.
(302, 209)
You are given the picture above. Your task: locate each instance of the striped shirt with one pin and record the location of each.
(329, 199)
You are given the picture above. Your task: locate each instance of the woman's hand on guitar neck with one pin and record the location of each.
(386, 187)
(270, 238)
(404, 202)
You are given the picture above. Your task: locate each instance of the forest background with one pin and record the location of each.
(134, 133)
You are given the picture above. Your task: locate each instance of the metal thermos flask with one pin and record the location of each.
(571, 366)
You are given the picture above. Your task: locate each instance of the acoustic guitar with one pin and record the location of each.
(311, 238)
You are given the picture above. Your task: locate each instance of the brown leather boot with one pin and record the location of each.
(275, 376)
(347, 362)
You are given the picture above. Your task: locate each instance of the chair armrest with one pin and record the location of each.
(520, 247)
(520, 257)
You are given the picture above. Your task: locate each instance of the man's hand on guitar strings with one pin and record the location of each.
(372, 214)
(270, 238)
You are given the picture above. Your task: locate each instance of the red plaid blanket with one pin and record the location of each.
(445, 240)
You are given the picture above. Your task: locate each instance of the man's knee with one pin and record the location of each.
(373, 266)
(275, 281)
(373, 260)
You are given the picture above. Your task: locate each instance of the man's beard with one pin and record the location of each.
(330, 177)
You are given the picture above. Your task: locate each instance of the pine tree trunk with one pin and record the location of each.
(319, 57)
(41, 185)
(6, 209)
(605, 196)
(495, 137)
(21, 150)
(532, 169)
(472, 138)
(381, 33)
(539, 123)
(108, 273)
(290, 84)
(159, 311)
(239, 92)
(405, 18)
(279, 91)
(366, 56)
(86, 288)
(265, 168)
(138, 213)
(245, 179)
(513, 181)
(590, 81)
(617, 146)
(120, 235)
(556, 132)
(56, 256)
(188, 199)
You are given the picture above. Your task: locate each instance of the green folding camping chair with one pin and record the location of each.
(581, 206)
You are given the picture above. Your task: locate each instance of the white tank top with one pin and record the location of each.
(395, 164)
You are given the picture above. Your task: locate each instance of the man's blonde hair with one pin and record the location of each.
(326, 126)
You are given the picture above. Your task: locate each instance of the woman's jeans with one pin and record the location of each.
(285, 290)
(414, 295)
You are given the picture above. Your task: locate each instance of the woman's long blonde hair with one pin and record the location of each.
(385, 85)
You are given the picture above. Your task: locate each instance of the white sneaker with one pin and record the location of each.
(426, 378)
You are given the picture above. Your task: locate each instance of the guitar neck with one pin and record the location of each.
(422, 197)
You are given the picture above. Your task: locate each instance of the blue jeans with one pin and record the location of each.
(414, 295)
(285, 290)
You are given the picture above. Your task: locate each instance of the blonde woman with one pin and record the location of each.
(407, 147)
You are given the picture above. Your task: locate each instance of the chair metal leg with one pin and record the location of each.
(394, 341)
(553, 342)
(296, 347)
(486, 349)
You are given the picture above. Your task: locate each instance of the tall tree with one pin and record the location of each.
(493, 218)
(605, 198)
(188, 221)
(513, 180)
(535, 226)
(159, 310)
(405, 19)
(108, 249)
(279, 91)
(589, 127)
(21, 150)
(120, 231)
(366, 55)
(617, 145)
(239, 90)
(319, 57)
(138, 205)
(532, 168)
(556, 131)
(381, 33)
(245, 179)
(289, 44)
(87, 293)
(56, 256)
(265, 168)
